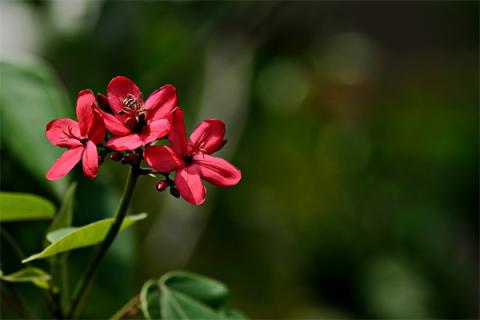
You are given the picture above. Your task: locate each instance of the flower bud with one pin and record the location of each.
(174, 192)
(116, 156)
(130, 158)
(162, 185)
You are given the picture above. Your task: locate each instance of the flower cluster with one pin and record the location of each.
(128, 129)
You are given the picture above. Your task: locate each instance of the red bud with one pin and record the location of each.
(162, 185)
(116, 156)
(130, 158)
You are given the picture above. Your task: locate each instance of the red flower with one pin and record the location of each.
(135, 123)
(79, 137)
(192, 160)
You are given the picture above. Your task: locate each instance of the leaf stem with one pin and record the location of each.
(127, 308)
(87, 281)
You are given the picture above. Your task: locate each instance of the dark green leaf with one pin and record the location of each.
(186, 296)
(24, 206)
(74, 238)
(201, 288)
(150, 300)
(176, 305)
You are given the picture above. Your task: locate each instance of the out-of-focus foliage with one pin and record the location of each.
(64, 216)
(28, 86)
(15, 206)
(355, 126)
(30, 274)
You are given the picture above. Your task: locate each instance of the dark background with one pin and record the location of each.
(355, 125)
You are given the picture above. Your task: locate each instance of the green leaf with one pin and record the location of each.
(150, 300)
(88, 235)
(186, 296)
(201, 288)
(24, 206)
(30, 274)
(59, 234)
(31, 97)
(176, 305)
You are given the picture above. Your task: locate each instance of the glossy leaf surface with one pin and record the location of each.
(73, 238)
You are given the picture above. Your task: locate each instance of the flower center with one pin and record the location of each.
(188, 159)
(67, 135)
(135, 114)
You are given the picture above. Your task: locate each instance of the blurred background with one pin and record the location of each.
(355, 125)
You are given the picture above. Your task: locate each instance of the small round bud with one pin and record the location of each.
(116, 156)
(130, 158)
(174, 192)
(162, 185)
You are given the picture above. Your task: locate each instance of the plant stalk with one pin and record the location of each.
(127, 308)
(89, 277)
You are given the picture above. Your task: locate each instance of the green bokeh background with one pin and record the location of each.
(355, 125)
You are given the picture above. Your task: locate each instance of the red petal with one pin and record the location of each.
(90, 160)
(118, 89)
(96, 132)
(190, 185)
(128, 142)
(177, 135)
(116, 127)
(155, 130)
(217, 171)
(161, 102)
(65, 163)
(63, 133)
(208, 137)
(85, 103)
(162, 158)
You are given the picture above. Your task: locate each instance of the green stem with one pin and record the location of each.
(128, 307)
(87, 281)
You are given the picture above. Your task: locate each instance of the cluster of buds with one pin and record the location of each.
(168, 183)
(130, 130)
